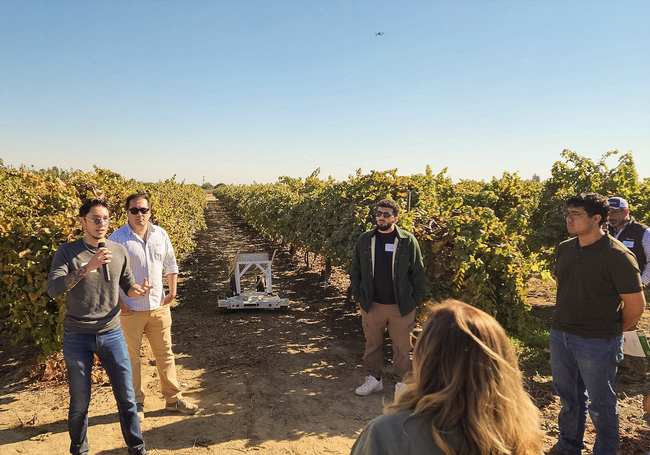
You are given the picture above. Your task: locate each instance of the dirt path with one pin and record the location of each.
(266, 382)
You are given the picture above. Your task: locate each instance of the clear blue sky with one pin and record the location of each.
(243, 91)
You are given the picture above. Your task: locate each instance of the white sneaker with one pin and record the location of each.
(371, 385)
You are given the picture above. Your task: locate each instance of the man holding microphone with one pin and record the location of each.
(92, 322)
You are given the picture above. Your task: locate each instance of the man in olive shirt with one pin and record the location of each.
(595, 274)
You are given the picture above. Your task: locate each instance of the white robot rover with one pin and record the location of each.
(262, 297)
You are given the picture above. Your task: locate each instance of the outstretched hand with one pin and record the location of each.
(145, 288)
(140, 290)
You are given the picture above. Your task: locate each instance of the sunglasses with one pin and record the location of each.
(379, 213)
(135, 210)
(99, 221)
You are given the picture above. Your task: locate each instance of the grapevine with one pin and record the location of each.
(38, 212)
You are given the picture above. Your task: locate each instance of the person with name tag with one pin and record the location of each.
(636, 237)
(387, 280)
(92, 322)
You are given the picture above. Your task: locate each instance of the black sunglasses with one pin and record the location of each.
(135, 210)
(379, 213)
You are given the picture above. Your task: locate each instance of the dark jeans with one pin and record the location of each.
(584, 370)
(110, 347)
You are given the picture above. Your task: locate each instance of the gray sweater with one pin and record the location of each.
(91, 305)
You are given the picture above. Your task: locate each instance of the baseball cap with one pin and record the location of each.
(618, 203)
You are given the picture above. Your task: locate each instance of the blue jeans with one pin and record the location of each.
(78, 350)
(584, 370)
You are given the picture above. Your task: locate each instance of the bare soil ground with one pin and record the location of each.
(266, 382)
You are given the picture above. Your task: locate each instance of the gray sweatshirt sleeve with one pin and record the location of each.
(58, 272)
(126, 277)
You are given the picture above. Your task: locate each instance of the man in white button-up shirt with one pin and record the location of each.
(150, 252)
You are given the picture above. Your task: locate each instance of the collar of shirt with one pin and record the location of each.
(601, 242)
(153, 272)
(150, 230)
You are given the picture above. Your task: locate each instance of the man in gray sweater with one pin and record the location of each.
(90, 271)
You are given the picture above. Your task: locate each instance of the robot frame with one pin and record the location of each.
(262, 297)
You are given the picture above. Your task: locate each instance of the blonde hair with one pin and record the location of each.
(466, 379)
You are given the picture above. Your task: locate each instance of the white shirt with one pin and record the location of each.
(147, 261)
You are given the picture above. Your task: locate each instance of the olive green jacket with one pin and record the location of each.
(400, 434)
(408, 271)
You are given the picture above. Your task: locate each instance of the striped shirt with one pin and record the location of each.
(148, 260)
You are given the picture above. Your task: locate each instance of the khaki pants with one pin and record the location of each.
(157, 325)
(375, 323)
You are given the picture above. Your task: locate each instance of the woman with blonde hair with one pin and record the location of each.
(465, 395)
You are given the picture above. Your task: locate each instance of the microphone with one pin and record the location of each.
(107, 274)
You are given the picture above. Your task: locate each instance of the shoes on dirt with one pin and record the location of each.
(140, 411)
(555, 451)
(183, 406)
(371, 385)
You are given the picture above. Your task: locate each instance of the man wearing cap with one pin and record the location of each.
(636, 237)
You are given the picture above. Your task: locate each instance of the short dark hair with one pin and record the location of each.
(90, 203)
(593, 203)
(144, 196)
(390, 204)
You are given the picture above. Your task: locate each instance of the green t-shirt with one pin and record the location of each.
(591, 280)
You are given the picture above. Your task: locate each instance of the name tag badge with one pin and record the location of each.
(390, 247)
(629, 243)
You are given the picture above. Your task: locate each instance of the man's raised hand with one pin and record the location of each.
(140, 290)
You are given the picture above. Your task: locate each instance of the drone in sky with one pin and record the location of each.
(379, 33)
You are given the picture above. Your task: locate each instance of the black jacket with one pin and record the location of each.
(632, 236)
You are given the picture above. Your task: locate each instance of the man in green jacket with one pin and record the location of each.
(387, 279)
